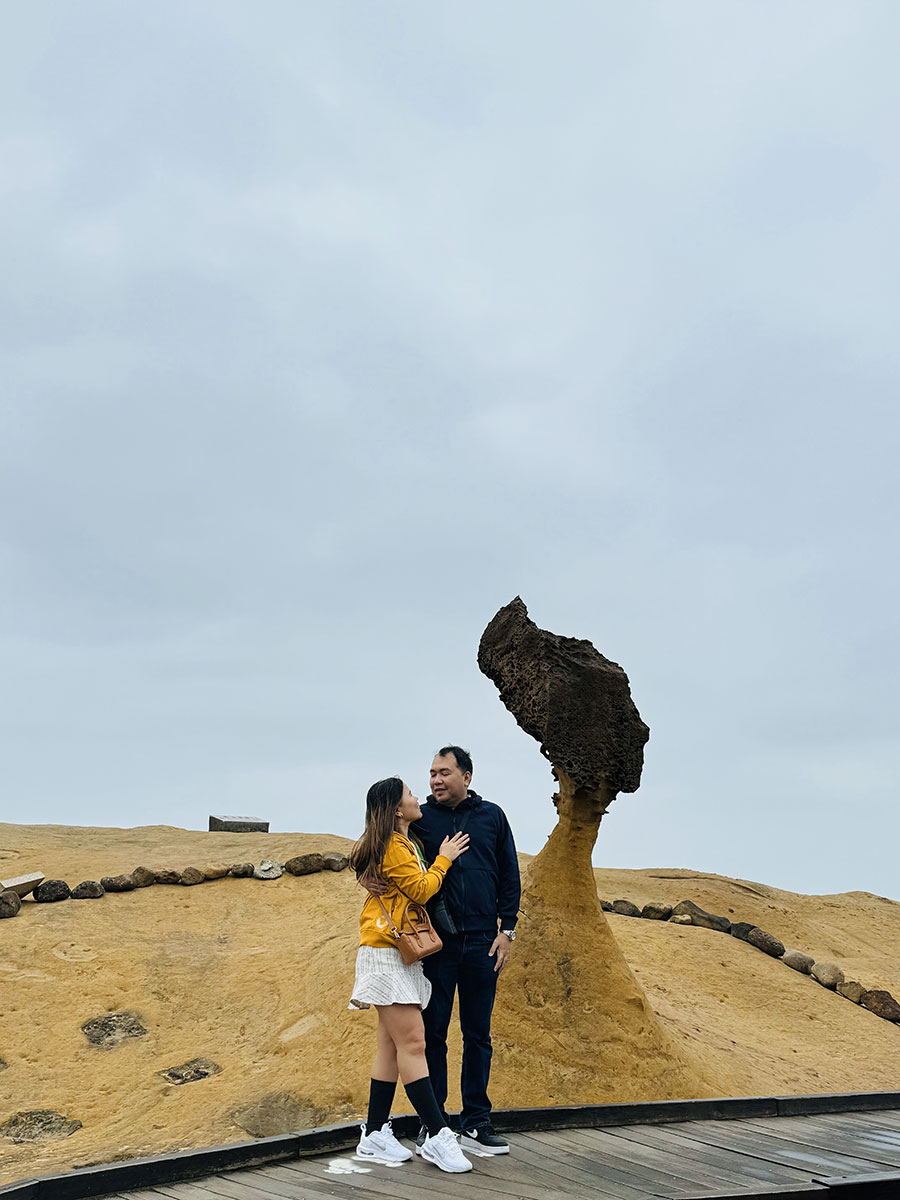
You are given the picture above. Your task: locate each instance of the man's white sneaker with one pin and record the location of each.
(381, 1146)
(443, 1150)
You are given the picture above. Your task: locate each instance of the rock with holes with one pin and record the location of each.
(38, 1125)
(88, 889)
(828, 974)
(567, 696)
(117, 883)
(741, 930)
(269, 869)
(699, 916)
(656, 912)
(9, 903)
(851, 990)
(798, 962)
(143, 877)
(881, 1003)
(242, 870)
(334, 860)
(111, 1029)
(190, 1072)
(167, 875)
(51, 891)
(191, 876)
(305, 864)
(767, 942)
(625, 908)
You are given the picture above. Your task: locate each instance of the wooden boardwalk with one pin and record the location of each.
(842, 1155)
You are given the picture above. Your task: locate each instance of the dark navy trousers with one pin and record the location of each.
(463, 967)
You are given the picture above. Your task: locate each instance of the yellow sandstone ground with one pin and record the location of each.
(255, 975)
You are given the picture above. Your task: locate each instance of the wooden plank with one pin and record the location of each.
(844, 1138)
(729, 1167)
(607, 1167)
(603, 1181)
(563, 1168)
(729, 1136)
(406, 1182)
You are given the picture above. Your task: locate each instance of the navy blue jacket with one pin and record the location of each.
(483, 884)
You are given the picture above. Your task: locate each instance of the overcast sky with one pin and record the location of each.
(328, 328)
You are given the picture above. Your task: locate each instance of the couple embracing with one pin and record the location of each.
(458, 849)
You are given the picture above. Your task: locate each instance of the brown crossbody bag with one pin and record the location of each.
(416, 938)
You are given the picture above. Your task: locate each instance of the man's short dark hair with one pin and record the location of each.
(463, 758)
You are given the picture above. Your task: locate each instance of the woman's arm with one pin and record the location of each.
(402, 868)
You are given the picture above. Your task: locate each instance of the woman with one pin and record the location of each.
(398, 990)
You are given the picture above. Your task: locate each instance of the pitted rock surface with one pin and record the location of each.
(767, 942)
(656, 912)
(828, 974)
(699, 916)
(88, 889)
(741, 929)
(851, 989)
(167, 875)
(191, 876)
(625, 908)
(112, 1029)
(268, 869)
(9, 904)
(305, 864)
(38, 1125)
(118, 883)
(567, 695)
(143, 877)
(190, 1072)
(334, 860)
(51, 890)
(242, 870)
(881, 1003)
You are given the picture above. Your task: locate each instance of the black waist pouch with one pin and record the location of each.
(441, 917)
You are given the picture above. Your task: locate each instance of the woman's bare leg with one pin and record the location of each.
(401, 1026)
(385, 1064)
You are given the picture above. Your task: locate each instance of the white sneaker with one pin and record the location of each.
(443, 1150)
(381, 1146)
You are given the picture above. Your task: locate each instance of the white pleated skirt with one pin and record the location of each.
(382, 977)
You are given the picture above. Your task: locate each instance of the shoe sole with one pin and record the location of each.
(435, 1162)
(385, 1159)
(479, 1147)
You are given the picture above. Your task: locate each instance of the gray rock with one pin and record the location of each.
(215, 872)
(851, 990)
(191, 876)
(741, 930)
(305, 864)
(88, 889)
(269, 869)
(334, 860)
(38, 1125)
(190, 1072)
(797, 961)
(52, 890)
(242, 870)
(238, 825)
(112, 1029)
(828, 974)
(117, 883)
(606, 905)
(767, 942)
(143, 877)
(22, 884)
(9, 903)
(565, 694)
(167, 875)
(656, 912)
(699, 916)
(881, 1003)
(680, 919)
(625, 908)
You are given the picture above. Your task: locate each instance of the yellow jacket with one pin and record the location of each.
(408, 880)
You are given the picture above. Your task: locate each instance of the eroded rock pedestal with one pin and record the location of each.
(592, 1033)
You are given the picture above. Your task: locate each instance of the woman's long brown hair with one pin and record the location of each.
(382, 799)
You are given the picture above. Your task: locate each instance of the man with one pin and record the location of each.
(476, 914)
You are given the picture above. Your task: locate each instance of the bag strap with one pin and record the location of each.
(387, 916)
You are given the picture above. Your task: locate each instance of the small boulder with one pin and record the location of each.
(215, 872)
(334, 860)
(191, 876)
(9, 903)
(828, 974)
(881, 1003)
(143, 877)
(38, 1125)
(269, 869)
(305, 864)
(797, 961)
(167, 875)
(699, 916)
(681, 919)
(656, 912)
(767, 942)
(52, 890)
(851, 989)
(190, 1072)
(117, 883)
(606, 905)
(22, 884)
(741, 929)
(112, 1029)
(88, 889)
(242, 870)
(625, 908)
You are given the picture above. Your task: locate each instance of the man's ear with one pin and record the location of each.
(467, 777)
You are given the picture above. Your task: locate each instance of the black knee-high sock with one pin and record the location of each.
(381, 1097)
(421, 1097)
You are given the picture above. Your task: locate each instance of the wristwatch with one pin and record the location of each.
(510, 933)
